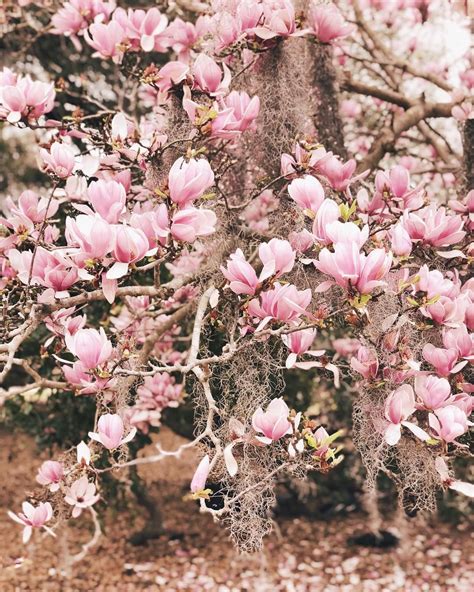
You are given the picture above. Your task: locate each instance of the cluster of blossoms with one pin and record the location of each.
(173, 221)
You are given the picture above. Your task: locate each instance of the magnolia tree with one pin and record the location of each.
(199, 232)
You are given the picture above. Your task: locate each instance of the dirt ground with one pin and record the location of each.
(301, 556)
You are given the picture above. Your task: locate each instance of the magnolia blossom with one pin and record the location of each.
(130, 245)
(108, 199)
(461, 340)
(279, 21)
(23, 97)
(433, 226)
(156, 394)
(444, 360)
(448, 423)
(307, 192)
(299, 342)
(283, 303)
(59, 160)
(398, 408)
(353, 269)
(50, 473)
(83, 454)
(31, 207)
(188, 180)
(366, 363)
(111, 430)
(244, 111)
(448, 481)
(76, 15)
(400, 241)
(396, 184)
(81, 495)
(188, 224)
(144, 28)
(272, 423)
(328, 23)
(200, 476)
(32, 517)
(49, 269)
(432, 391)
(91, 347)
(153, 223)
(208, 75)
(277, 257)
(327, 213)
(106, 39)
(337, 173)
(240, 274)
(92, 234)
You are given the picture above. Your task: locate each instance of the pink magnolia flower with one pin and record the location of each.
(328, 212)
(92, 234)
(81, 495)
(108, 199)
(51, 270)
(463, 111)
(59, 160)
(448, 481)
(208, 75)
(432, 226)
(130, 245)
(91, 347)
(190, 223)
(188, 180)
(32, 207)
(301, 241)
(448, 423)
(182, 35)
(337, 173)
(23, 97)
(447, 311)
(328, 23)
(307, 192)
(347, 232)
(244, 110)
(366, 363)
(240, 274)
(396, 184)
(434, 283)
(283, 303)
(400, 241)
(299, 342)
(110, 431)
(277, 257)
(145, 27)
(76, 15)
(398, 407)
(106, 39)
(279, 21)
(83, 454)
(350, 268)
(32, 517)
(154, 224)
(171, 74)
(80, 376)
(50, 473)
(461, 340)
(200, 476)
(157, 393)
(272, 423)
(444, 360)
(433, 392)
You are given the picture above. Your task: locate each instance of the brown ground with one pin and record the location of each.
(306, 556)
